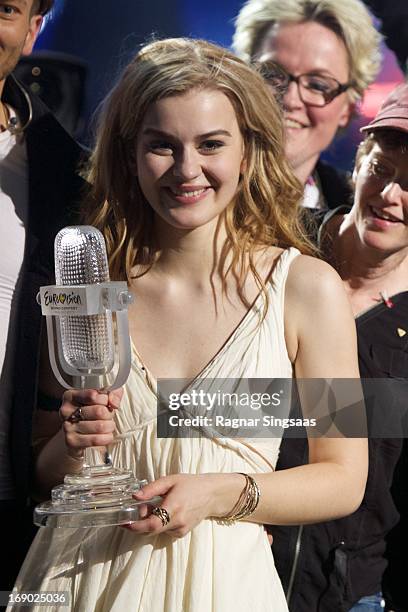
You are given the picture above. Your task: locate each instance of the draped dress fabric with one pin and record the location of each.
(215, 567)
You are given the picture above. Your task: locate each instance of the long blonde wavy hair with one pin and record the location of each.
(265, 209)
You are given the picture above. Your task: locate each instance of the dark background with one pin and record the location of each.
(106, 33)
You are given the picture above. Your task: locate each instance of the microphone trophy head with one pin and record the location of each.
(80, 259)
(79, 312)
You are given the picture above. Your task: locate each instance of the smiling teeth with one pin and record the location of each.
(291, 123)
(188, 194)
(384, 215)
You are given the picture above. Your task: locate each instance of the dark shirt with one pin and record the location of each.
(330, 566)
(54, 193)
(335, 185)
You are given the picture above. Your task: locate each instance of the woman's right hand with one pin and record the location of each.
(88, 419)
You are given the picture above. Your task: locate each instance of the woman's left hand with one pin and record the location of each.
(187, 498)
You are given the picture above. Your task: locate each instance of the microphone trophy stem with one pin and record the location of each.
(82, 382)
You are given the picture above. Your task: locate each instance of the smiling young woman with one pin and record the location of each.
(200, 212)
(189, 157)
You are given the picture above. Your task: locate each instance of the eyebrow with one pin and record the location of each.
(323, 72)
(315, 71)
(154, 132)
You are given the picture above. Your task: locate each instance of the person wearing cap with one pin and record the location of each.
(328, 53)
(339, 565)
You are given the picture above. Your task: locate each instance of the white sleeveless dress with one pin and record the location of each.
(215, 567)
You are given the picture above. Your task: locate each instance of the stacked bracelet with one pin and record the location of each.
(247, 502)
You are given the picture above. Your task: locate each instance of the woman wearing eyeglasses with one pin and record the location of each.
(329, 53)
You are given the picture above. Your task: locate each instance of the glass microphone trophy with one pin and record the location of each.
(88, 340)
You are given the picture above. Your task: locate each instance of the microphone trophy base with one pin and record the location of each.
(98, 496)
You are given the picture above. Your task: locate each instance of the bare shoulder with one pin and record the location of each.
(311, 280)
(316, 306)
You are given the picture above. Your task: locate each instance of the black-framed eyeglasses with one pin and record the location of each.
(314, 89)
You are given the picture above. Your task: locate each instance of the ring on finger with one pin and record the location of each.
(76, 416)
(162, 514)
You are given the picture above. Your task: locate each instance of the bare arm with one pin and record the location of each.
(321, 342)
(321, 339)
